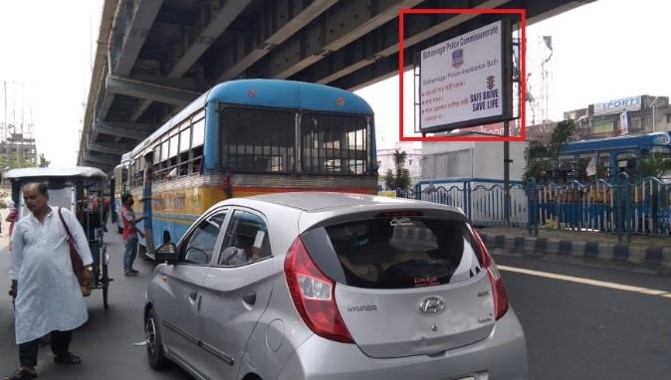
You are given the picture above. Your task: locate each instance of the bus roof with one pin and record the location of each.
(37, 173)
(288, 94)
(274, 93)
(645, 141)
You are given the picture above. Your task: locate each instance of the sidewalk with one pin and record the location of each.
(646, 253)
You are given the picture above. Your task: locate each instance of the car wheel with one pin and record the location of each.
(152, 334)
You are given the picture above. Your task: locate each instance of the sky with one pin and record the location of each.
(601, 51)
(45, 59)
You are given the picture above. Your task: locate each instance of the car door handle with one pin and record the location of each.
(249, 298)
(192, 297)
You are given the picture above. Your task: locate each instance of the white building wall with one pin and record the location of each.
(413, 160)
(489, 160)
(486, 159)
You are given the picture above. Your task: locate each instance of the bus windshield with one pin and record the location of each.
(263, 140)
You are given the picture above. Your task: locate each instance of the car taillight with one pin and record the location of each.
(313, 295)
(501, 302)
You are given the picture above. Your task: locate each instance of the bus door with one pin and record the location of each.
(121, 188)
(147, 206)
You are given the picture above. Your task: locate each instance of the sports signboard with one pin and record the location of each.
(467, 81)
(618, 105)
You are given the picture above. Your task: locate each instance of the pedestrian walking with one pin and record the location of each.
(48, 298)
(130, 234)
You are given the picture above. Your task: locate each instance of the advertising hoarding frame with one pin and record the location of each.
(505, 42)
(505, 68)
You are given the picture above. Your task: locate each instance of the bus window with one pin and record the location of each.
(198, 132)
(334, 144)
(184, 145)
(197, 140)
(197, 158)
(165, 153)
(257, 140)
(172, 159)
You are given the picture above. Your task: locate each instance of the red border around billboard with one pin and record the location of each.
(522, 108)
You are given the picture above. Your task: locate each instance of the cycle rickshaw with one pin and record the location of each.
(82, 190)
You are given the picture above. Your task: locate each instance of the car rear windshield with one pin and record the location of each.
(392, 252)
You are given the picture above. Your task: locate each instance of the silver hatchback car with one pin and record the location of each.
(332, 286)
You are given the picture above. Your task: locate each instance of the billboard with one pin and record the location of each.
(466, 81)
(618, 105)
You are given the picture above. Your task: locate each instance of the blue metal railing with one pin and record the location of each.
(624, 206)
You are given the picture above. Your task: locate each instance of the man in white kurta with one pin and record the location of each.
(48, 296)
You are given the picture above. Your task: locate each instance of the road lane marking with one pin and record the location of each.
(580, 280)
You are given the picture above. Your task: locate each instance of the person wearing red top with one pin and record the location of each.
(130, 234)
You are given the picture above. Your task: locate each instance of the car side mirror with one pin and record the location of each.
(167, 252)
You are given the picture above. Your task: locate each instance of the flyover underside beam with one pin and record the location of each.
(98, 69)
(198, 86)
(128, 41)
(195, 85)
(139, 111)
(129, 130)
(220, 20)
(116, 149)
(549, 8)
(338, 27)
(370, 72)
(383, 43)
(142, 14)
(279, 14)
(104, 160)
(150, 91)
(196, 46)
(105, 105)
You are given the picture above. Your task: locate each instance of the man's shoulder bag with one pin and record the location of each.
(77, 264)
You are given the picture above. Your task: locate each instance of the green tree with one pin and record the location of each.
(541, 158)
(44, 163)
(399, 178)
(655, 166)
(7, 163)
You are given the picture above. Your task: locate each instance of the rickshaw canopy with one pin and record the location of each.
(66, 185)
(82, 173)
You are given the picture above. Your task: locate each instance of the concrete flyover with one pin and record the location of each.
(154, 56)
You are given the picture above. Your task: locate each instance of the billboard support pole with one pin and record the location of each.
(506, 173)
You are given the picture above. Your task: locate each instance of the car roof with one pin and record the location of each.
(325, 201)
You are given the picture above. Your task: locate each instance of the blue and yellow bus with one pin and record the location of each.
(248, 137)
